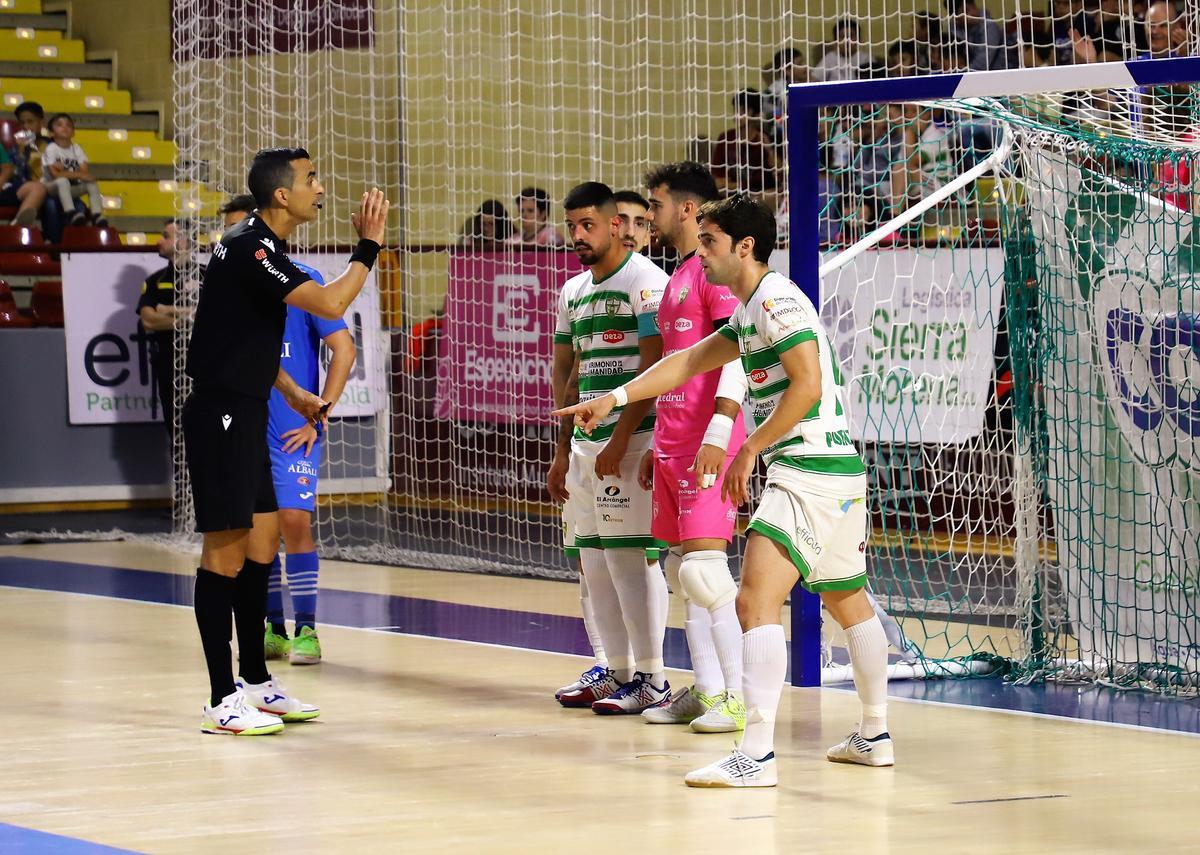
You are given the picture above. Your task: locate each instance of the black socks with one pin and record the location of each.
(250, 612)
(213, 603)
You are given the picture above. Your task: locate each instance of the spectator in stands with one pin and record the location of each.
(633, 209)
(66, 172)
(32, 138)
(744, 156)
(489, 228)
(970, 26)
(1113, 31)
(16, 192)
(785, 68)
(844, 58)
(158, 316)
(902, 58)
(1166, 31)
(884, 156)
(926, 37)
(533, 207)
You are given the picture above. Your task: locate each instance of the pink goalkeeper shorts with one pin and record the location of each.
(683, 511)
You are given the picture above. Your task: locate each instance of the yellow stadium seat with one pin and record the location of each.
(145, 199)
(20, 7)
(28, 45)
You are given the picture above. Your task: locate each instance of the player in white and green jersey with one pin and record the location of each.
(606, 315)
(811, 521)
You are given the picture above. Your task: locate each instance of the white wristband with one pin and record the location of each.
(621, 395)
(719, 431)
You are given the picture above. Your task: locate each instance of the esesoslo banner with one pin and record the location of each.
(1121, 387)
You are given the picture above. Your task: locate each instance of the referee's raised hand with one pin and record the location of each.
(371, 219)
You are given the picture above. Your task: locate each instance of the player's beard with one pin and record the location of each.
(587, 255)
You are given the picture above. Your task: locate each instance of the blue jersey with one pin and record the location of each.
(300, 354)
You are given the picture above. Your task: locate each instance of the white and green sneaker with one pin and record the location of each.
(306, 647)
(686, 705)
(726, 715)
(272, 698)
(736, 770)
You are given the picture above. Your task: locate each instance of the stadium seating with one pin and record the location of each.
(10, 315)
(132, 162)
(46, 304)
(89, 237)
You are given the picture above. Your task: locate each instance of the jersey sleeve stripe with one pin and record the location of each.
(793, 340)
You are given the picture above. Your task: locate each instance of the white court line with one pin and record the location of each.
(393, 633)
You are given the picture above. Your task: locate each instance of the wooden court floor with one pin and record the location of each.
(433, 745)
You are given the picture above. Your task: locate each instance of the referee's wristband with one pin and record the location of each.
(621, 395)
(365, 253)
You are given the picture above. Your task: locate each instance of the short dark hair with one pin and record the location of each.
(748, 101)
(185, 225)
(539, 196)
(30, 107)
(742, 216)
(687, 178)
(56, 117)
(270, 170)
(589, 194)
(845, 24)
(783, 58)
(241, 203)
(631, 197)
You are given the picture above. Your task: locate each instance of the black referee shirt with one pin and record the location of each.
(159, 290)
(240, 317)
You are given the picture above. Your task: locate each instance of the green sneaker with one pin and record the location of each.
(275, 646)
(306, 649)
(727, 715)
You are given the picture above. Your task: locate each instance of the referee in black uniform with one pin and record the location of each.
(233, 360)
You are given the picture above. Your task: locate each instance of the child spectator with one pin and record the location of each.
(65, 171)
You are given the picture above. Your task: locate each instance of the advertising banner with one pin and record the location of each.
(109, 376)
(494, 363)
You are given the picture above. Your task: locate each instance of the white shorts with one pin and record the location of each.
(609, 513)
(825, 534)
(568, 527)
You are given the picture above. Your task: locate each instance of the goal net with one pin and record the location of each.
(1016, 314)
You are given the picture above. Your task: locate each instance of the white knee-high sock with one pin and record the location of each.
(727, 644)
(589, 622)
(705, 664)
(641, 589)
(867, 645)
(606, 609)
(764, 668)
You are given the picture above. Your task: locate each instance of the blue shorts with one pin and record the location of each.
(295, 475)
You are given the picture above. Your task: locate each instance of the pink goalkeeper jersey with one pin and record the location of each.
(687, 314)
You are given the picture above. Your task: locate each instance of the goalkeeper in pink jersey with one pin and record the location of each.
(698, 431)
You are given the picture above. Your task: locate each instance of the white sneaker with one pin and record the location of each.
(270, 697)
(727, 715)
(686, 705)
(866, 752)
(591, 675)
(736, 770)
(633, 697)
(234, 715)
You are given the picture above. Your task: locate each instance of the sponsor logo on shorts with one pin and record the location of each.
(809, 539)
(302, 480)
(303, 466)
(308, 495)
(682, 483)
(759, 375)
(612, 491)
(609, 518)
(682, 325)
(862, 547)
(731, 514)
(613, 336)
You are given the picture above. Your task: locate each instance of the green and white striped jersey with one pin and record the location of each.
(604, 320)
(777, 317)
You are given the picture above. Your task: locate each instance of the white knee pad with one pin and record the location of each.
(706, 580)
(671, 565)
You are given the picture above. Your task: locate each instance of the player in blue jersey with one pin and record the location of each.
(295, 447)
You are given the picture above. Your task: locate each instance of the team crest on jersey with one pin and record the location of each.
(261, 254)
(302, 480)
(683, 292)
(613, 306)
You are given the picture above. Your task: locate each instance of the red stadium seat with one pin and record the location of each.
(90, 237)
(46, 304)
(28, 264)
(21, 236)
(10, 315)
(8, 131)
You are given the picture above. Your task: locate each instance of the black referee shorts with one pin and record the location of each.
(225, 439)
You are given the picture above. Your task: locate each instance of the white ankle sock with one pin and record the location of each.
(606, 609)
(705, 664)
(764, 668)
(589, 622)
(641, 589)
(727, 642)
(867, 645)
